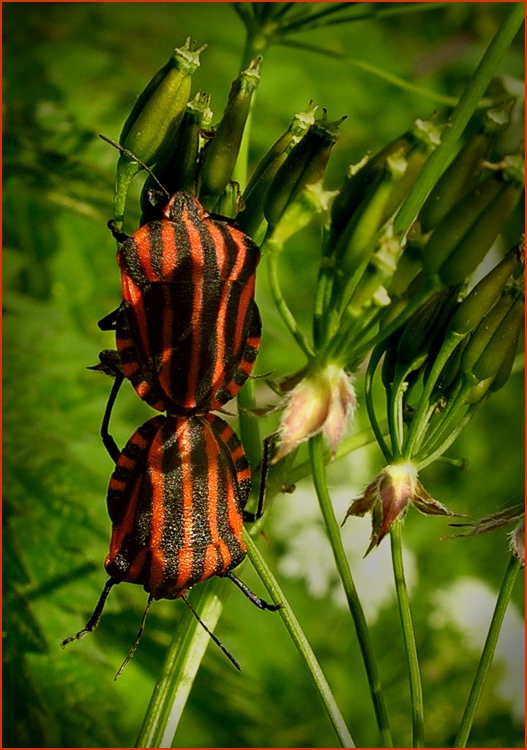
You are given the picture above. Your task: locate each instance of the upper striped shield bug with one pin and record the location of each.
(188, 328)
(177, 501)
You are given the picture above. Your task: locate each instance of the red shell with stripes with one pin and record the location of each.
(176, 501)
(188, 330)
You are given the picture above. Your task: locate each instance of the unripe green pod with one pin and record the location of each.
(464, 172)
(472, 249)
(498, 347)
(506, 366)
(451, 367)
(451, 231)
(484, 295)
(427, 326)
(254, 195)
(356, 243)
(486, 329)
(222, 152)
(159, 109)
(178, 172)
(478, 390)
(422, 138)
(305, 165)
(298, 127)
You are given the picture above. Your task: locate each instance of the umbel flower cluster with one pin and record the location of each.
(399, 298)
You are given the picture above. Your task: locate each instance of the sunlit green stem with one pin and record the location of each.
(488, 652)
(316, 450)
(282, 307)
(302, 644)
(414, 675)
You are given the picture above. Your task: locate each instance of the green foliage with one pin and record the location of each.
(73, 70)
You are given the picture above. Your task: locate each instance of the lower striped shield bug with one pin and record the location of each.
(177, 501)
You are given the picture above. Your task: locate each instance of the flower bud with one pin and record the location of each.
(462, 175)
(305, 164)
(388, 498)
(378, 273)
(324, 401)
(222, 152)
(312, 201)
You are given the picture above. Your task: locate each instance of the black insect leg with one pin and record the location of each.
(261, 603)
(109, 322)
(266, 460)
(96, 616)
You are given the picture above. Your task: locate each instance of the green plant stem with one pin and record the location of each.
(281, 305)
(180, 667)
(468, 103)
(249, 424)
(414, 675)
(301, 643)
(488, 652)
(316, 450)
(384, 75)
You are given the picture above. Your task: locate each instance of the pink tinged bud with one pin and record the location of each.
(323, 401)
(388, 498)
(517, 542)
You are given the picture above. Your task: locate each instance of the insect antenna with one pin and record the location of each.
(214, 638)
(135, 644)
(133, 157)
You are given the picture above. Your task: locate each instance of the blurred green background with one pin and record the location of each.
(71, 71)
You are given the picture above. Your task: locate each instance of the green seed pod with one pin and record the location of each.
(426, 328)
(305, 165)
(179, 171)
(478, 390)
(254, 195)
(157, 113)
(472, 249)
(506, 366)
(463, 174)
(222, 152)
(503, 339)
(484, 295)
(486, 329)
(423, 137)
(450, 369)
(357, 241)
(451, 231)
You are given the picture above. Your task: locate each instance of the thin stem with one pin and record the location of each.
(180, 668)
(391, 78)
(301, 642)
(488, 652)
(316, 450)
(414, 675)
(281, 305)
(469, 101)
(370, 403)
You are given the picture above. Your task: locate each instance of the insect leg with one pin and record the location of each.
(261, 603)
(96, 616)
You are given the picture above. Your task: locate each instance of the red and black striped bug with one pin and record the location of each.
(177, 500)
(188, 328)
